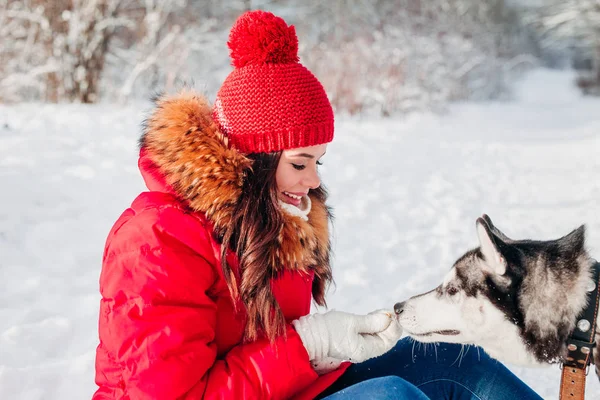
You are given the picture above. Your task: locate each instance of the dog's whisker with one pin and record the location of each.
(465, 350)
(460, 355)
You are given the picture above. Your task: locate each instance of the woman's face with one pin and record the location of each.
(297, 173)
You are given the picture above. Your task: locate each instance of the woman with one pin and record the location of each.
(208, 277)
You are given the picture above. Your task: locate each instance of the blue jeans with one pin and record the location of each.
(442, 372)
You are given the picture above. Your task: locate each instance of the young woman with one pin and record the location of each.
(207, 279)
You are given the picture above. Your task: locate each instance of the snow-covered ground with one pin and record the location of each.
(406, 195)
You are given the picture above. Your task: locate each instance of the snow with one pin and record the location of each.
(406, 193)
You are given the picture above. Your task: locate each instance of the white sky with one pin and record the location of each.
(405, 193)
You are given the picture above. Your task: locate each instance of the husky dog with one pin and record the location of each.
(516, 299)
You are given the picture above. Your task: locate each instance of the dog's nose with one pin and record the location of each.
(399, 307)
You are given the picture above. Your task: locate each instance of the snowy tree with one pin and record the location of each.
(78, 50)
(157, 51)
(24, 60)
(59, 51)
(571, 28)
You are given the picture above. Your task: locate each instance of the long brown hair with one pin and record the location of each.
(255, 225)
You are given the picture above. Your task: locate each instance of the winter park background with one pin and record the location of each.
(445, 109)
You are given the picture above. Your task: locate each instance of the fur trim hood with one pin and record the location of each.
(184, 144)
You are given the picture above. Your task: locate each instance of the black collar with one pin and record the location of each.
(581, 343)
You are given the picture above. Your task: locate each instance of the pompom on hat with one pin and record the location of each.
(270, 102)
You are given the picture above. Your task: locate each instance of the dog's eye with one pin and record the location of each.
(452, 291)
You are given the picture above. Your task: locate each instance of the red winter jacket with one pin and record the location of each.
(168, 327)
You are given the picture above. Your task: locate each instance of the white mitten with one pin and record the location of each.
(392, 333)
(344, 336)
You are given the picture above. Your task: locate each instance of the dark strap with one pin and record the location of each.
(580, 346)
(581, 342)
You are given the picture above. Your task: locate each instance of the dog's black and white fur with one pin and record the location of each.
(517, 299)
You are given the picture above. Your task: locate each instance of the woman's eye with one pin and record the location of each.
(452, 291)
(299, 167)
(319, 163)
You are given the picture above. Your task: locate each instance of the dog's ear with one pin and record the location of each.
(494, 229)
(490, 244)
(574, 241)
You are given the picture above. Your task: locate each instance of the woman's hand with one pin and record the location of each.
(343, 336)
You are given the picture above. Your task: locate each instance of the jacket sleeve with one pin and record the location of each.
(160, 323)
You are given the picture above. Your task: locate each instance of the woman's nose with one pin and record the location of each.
(312, 180)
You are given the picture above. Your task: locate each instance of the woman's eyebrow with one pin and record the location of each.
(306, 155)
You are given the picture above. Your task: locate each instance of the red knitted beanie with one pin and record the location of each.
(270, 101)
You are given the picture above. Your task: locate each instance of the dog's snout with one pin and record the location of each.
(399, 307)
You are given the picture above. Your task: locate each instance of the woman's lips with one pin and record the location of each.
(294, 199)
